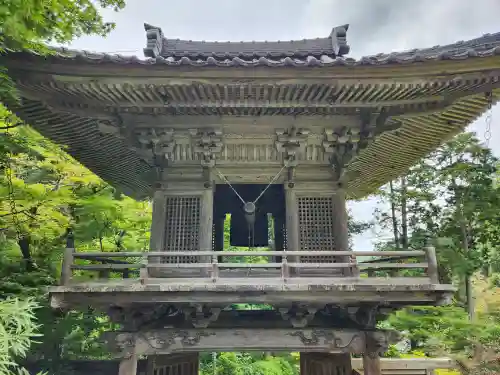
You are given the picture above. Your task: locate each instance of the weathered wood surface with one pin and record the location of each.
(407, 366)
(317, 290)
(389, 366)
(166, 341)
(325, 363)
(288, 269)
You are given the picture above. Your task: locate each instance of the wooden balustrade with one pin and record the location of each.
(389, 261)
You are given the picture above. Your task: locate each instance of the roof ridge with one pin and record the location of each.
(333, 45)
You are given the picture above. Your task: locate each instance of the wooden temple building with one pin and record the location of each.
(278, 135)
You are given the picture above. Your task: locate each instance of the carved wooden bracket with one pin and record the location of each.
(201, 316)
(155, 143)
(345, 144)
(207, 143)
(299, 316)
(141, 316)
(342, 146)
(367, 317)
(290, 142)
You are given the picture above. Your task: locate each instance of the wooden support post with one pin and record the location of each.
(215, 268)
(206, 224)
(371, 364)
(285, 270)
(432, 270)
(371, 357)
(292, 222)
(128, 366)
(340, 230)
(157, 237)
(66, 272)
(128, 363)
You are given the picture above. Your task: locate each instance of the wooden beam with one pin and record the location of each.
(409, 363)
(166, 341)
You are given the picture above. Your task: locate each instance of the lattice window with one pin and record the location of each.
(182, 368)
(182, 227)
(316, 227)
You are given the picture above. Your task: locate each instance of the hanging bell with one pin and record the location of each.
(249, 210)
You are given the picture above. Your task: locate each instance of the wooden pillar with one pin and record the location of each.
(279, 238)
(371, 364)
(340, 229)
(371, 357)
(292, 222)
(156, 240)
(206, 222)
(206, 219)
(312, 363)
(128, 366)
(219, 220)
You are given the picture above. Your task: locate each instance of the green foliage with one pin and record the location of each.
(230, 363)
(453, 197)
(43, 191)
(29, 23)
(17, 330)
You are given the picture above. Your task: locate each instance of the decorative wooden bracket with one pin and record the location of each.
(342, 146)
(299, 316)
(158, 144)
(207, 144)
(201, 316)
(290, 142)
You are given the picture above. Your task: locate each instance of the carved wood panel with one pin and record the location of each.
(182, 227)
(316, 227)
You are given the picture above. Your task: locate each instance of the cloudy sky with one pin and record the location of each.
(375, 26)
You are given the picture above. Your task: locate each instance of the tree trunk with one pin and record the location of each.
(404, 215)
(469, 293)
(24, 245)
(395, 228)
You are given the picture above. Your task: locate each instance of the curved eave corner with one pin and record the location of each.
(394, 152)
(105, 155)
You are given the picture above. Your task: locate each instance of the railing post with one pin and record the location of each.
(432, 269)
(144, 271)
(215, 268)
(285, 270)
(66, 272)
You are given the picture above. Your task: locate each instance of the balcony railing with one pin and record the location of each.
(206, 265)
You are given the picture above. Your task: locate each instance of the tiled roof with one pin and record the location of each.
(485, 46)
(158, 46)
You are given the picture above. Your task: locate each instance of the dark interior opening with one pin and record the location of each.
(257, 235)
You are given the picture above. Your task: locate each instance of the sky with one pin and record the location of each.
(375, 26)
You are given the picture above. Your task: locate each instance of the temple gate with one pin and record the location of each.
(278, 135)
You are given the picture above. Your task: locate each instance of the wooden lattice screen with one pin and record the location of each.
(182, 364)
(182, 227)
(316, 227)
(325, 364)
